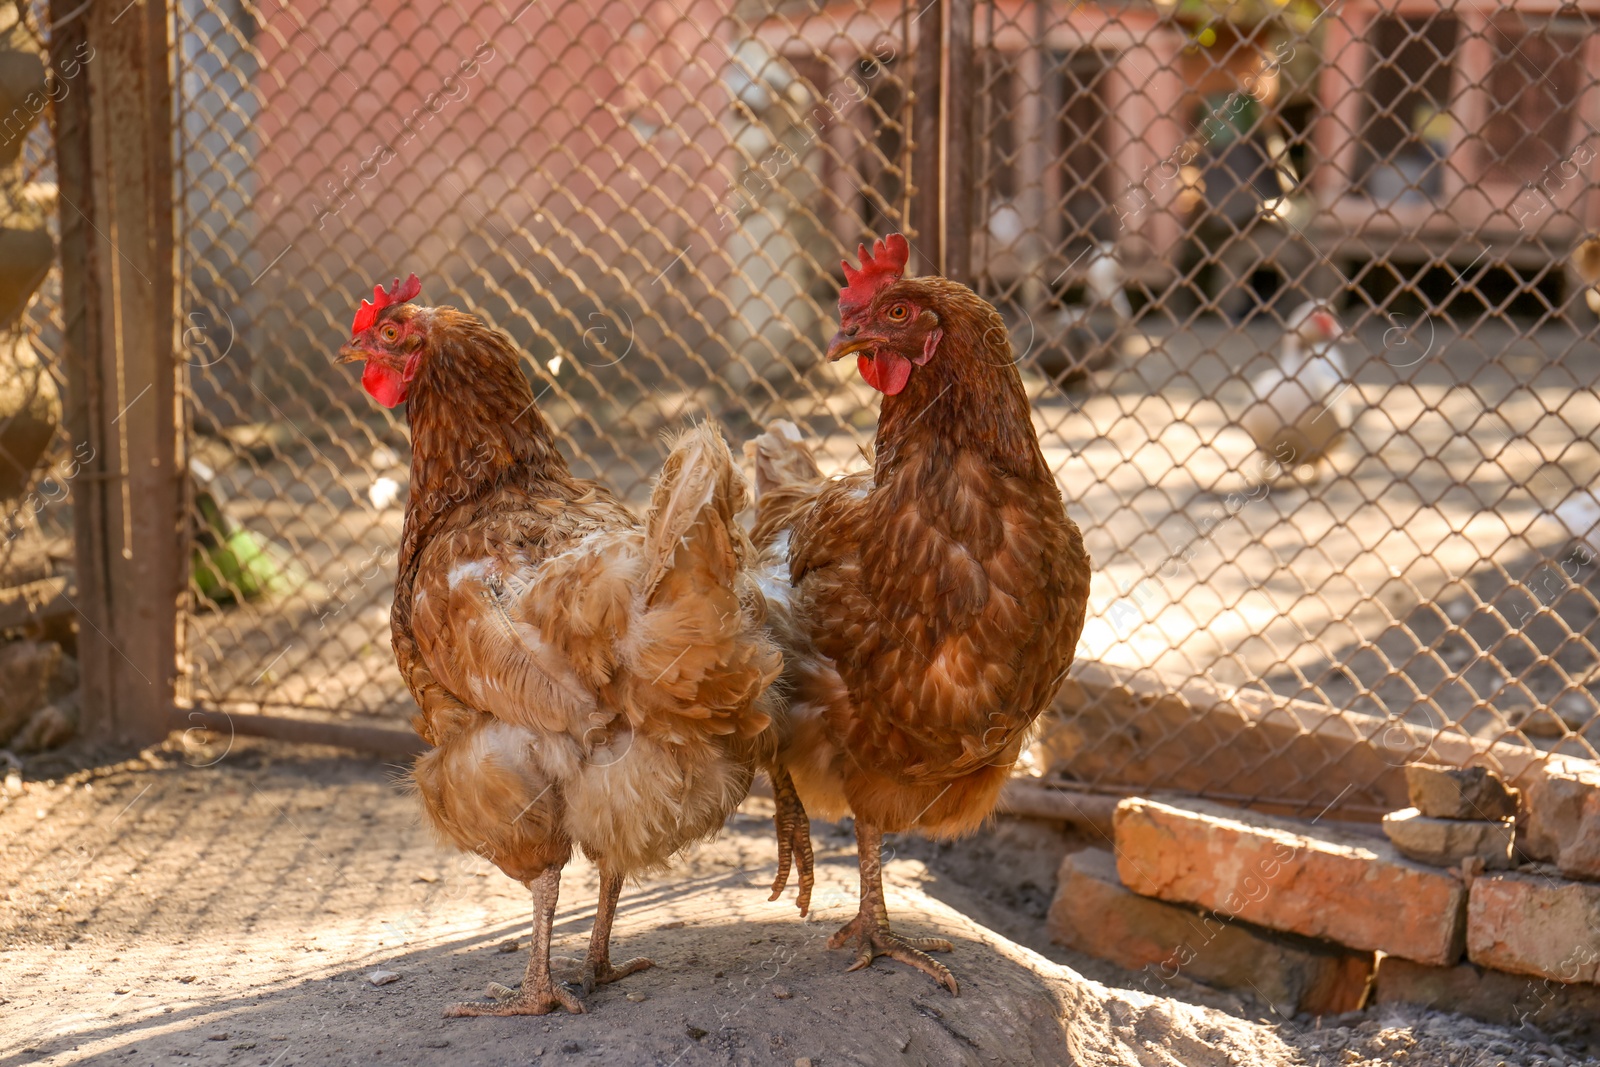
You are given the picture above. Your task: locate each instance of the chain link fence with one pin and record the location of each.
(1379, 509)
(36, 460)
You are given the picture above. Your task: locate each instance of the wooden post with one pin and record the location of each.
(114, 145)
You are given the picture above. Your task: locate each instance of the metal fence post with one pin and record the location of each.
(927, 163)
(942, 206)
(960, 148)
(115, 172)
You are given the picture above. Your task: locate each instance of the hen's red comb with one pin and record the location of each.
(398, 293)
(884, 265)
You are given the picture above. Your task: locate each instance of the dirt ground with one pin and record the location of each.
(227, 906)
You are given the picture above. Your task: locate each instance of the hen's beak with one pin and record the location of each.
(848, 343)
(349, 353)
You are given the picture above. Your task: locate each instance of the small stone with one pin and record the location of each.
(1446, 842)
(381, 977)
(571, 1047)
(427, 876)
(718, 974)
(638, 998)
(1536, 721)
(675, 924)
(50, 727)
(217, 1037)
(186, 979)
(508, 945)
(803, 1061)
(781, 992)
(1459, 792)
(695, 1032)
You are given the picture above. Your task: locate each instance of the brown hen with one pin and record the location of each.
(585, 679)
(933, 602)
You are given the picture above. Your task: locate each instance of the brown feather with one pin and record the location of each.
(586, 678)
(934, 602)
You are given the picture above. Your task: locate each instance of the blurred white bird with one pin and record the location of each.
(1300, 409)
(383, 492)
(1088, 333)
(1586, 259)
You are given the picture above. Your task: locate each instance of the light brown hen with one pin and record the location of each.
(586, 679)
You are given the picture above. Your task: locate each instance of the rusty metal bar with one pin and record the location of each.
(927, 164)
(958, 195)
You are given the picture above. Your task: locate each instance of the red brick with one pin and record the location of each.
(1562, 816)
(1292, 876)
(1535, 924)
(1095, 914)
(1565, 1012)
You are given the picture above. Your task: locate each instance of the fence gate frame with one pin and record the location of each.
(115, 172)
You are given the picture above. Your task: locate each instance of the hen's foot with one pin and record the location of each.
(794, 839)
(542, 999)
(873, 938)
(603, 972)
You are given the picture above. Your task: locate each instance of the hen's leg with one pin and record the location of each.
(539, 995)
(794, 838)
(597, 967)
(869, 931)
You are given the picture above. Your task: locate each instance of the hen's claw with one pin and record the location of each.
(873, 938)
(602, 972)
(537, 1001)
(794, 839)
(869, 930)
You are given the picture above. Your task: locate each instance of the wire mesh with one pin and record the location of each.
(38, 461)
(651, 197)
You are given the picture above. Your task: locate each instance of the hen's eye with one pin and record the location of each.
(390, 332)
(898, 313)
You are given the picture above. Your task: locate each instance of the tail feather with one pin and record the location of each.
(780, 458)
(787, 479)
(692, 509)
(698, 651)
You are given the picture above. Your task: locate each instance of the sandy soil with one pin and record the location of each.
(198, 907)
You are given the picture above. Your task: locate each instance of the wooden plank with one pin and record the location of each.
(1087, 811)
(121, 340)
(1135, 730)
(391, 744)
